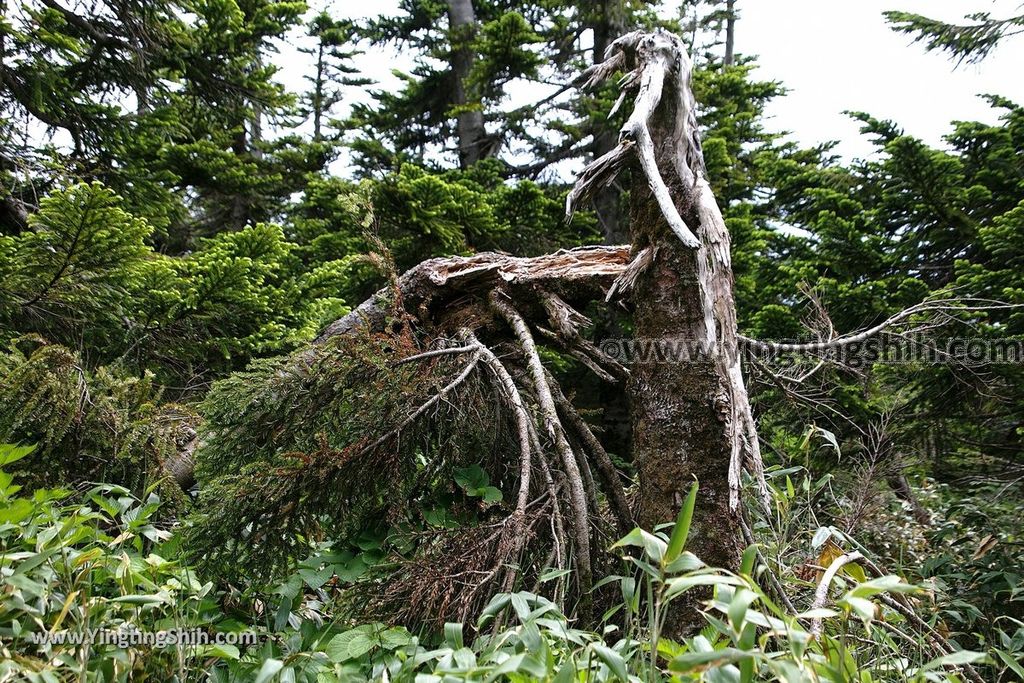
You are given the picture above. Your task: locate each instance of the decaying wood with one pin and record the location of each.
(435, 281)
(514, 299)
(690, 418)
(660, 72)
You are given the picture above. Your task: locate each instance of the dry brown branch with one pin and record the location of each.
(432, 401)
(934, 306)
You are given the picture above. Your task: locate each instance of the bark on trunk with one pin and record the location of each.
(730, 33)
(608, 25)
(682, 422)
(469, 124)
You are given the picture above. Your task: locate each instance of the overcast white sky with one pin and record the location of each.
(840, 55)
(833, 55)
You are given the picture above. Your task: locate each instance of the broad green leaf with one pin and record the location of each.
(883, 584)
(653, 546)
(471, 478)
(612, 659)
(143, 599)
(395, 638)
(453, 635)
(747, 561)
(1010, 662)
(864, 608)
(686, 562)
(10, 453)
(490, 494)
(692, 660)
(677, 541)
(497, 603)
(219, 651)
(270, 668)
(955, 659)
(741, 600)
(316, 579)
(682, 584)
(16, 511)
(552, 574)
(349, 645)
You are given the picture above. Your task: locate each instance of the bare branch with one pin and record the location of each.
(434, 353)
(432, 401)
(821, 594)
(577, 493)
(937, 305)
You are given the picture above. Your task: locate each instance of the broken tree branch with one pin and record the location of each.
(658, 54)
(577, 493)
(821, 593)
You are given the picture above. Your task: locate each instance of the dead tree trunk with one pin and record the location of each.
(691, 415)
(689, 418)
(390, 369)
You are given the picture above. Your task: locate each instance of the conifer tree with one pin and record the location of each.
(971, 41)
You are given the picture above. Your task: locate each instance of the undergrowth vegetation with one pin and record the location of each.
(75, 563)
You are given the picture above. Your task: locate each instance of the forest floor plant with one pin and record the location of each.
(78, 561)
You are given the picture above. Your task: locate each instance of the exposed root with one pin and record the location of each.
(434, 354)
(519, 410)
(559, 538)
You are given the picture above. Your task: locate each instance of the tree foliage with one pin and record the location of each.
(971, 41)
(177, 227)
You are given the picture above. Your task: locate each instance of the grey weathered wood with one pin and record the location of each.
(691, 417)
